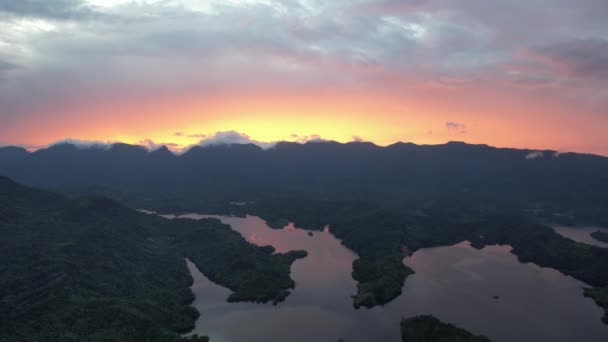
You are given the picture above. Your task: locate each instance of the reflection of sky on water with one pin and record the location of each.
(581, 234)
(456, 283)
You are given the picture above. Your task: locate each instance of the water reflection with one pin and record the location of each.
(458, 284)
(581, 234)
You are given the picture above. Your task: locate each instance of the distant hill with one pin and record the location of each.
(400, 174)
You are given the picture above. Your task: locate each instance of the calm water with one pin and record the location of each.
(581, 234)
(456, 284)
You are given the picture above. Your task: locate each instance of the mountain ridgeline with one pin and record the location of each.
(566, 186)
(63, 256)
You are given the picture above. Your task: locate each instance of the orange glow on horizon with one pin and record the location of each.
(382, 118)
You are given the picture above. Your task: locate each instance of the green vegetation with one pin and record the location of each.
(600, 236)
(253, 273)
(91, 269)
(430, 329)
(378, 239)
(374, 234)
(87, 269)
(539, 244)
(600, 296)
(65, 261)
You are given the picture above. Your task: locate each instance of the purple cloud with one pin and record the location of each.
(455, 127)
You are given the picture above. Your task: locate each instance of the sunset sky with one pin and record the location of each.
(530, 74)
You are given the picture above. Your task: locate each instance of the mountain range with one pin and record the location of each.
(568, 186)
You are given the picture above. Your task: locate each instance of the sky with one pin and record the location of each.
(526, 74)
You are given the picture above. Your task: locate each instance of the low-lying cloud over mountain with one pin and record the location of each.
(231, 137)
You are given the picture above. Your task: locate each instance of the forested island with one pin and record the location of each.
(430, 329)
(383, 237)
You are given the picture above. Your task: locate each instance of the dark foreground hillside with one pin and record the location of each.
(92, 270)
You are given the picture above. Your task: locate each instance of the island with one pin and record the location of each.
(429, 328)
(253, 273)
(382, 237)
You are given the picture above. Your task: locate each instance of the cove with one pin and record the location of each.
(485, 291)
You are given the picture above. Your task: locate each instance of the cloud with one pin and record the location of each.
(198, 135)
(534, 155)
(151, 145)
(558, 154)
(455, 127)
(5, 66)
(191, 53)
(302, 139)
(219, 44)
(587, 58)
(230, 138)
(530, 78)
(455, 81)
(234, 137)
(52, 9)
(83, 144)
(357, 138)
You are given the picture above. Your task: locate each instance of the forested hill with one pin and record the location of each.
(90, 269)
(72, 269)
(566, 184)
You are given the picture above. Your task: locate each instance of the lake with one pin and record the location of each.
(457, 284)
(581, 234)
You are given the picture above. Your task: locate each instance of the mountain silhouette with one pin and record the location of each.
(402, 172)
